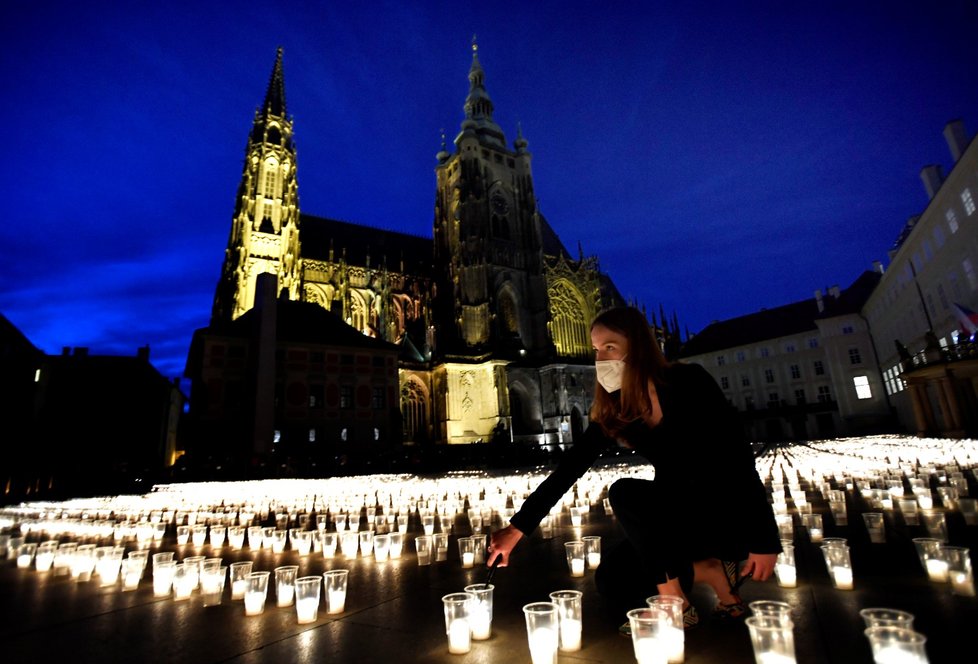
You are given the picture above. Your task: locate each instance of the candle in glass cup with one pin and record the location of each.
(480, 610)
(307, 589)
(256, 592)
(335, 582)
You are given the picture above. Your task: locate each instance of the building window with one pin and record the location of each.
(749, 402)
(346, 396)
(772, 400)
(765, 352)
(813, 342)
(724, 383)
(795, 371)
(824, 396)
(819, 368)
(343, 434)
(312, 435)
(277, 436)
(854, 356)
(969, 273)
(377, 399)
(938, 237)
(740, 356)
(863, 390)
(847, 329)
(721, 360)
(745, 380)
(952, 221)
(968, 201)
(789, 348)
(800, 396)
(268, 191)
(768, 375)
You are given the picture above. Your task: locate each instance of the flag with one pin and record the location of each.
(967, 319)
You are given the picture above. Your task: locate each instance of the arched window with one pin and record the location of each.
(569, 327)
(270, 181)
(359, 314)
(413, 411)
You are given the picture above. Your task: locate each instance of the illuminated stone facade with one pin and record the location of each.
(491, 315)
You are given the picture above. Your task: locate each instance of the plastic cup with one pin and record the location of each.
(440, 541)
(785, 569)
(575, 557)
(931, 555)
(163, 572)
(542, 631)
(771, 638)
(466, 551)
(592, 550)
(672, 636)
(239, 578)
(285, 584)
(256, 593)
(423, 546)
(335, 582)
(875, 527)
(647, 627)
(212, 584)
(896, 644)
(569, 618)
(307, 592)
(881, 617)
(480, 610)
(958, 559)
(457, 608)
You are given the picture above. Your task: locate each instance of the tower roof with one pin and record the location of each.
(275, 95)
(478, 106)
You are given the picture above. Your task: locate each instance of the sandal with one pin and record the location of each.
(730, 612)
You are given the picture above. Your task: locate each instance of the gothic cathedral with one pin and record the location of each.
(490, 316)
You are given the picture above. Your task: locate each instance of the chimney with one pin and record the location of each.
(878, 267)
(819, 301)
(932, 178)
(956, 138)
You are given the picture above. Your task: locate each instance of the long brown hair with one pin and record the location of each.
(644, 362)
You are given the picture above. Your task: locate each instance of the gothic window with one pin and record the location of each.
(413, 409)
(268, 185)
(569, 326)
(508, 315)
(359, 314)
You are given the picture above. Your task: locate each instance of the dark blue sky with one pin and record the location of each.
(717, 160)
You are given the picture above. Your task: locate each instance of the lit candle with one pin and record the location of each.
(480, 621)
(43, 561)
(577, 567)
(239, 588)
(575, 520)
(937, 570)
(815, 534)
(254, 603)
(306, 608)
(337, 601)
(459, 637)
(843, 577)
(468, 558)
(787, 575)
(649, 651)
(24, 560)
(775, 658)
(130, 580)
(543, 645)
(895, 655)
(285, 592)
(593, 559)
(674, 641)
(962, 583)
(570, 634)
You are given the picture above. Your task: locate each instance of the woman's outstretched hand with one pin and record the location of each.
(502, 542)
(760, 565)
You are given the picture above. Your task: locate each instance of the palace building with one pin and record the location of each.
(489, 318)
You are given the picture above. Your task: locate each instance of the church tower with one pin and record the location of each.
(265, 228)
(488, 240)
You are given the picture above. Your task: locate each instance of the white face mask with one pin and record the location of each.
(609, 373)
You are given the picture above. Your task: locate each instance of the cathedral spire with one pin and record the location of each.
(275, 95)
(478, 105)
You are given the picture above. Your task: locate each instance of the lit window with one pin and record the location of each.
(37, 376)
(343, 434)
(312, 435)
(863, 390)
(854, 356)
(721, 360)
(277, 436)
(968, 201)
(795, 371)
(724, 383)
(768, 376)
(376, 433)
(952, 221)
(819, 368)
(824, 396)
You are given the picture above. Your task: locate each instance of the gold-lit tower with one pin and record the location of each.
(265, 228)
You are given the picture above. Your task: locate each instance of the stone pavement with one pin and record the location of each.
(394, 610)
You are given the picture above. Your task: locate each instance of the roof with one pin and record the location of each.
(357, 241)
(782, 321)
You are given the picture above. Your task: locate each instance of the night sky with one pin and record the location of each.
(716, 160)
